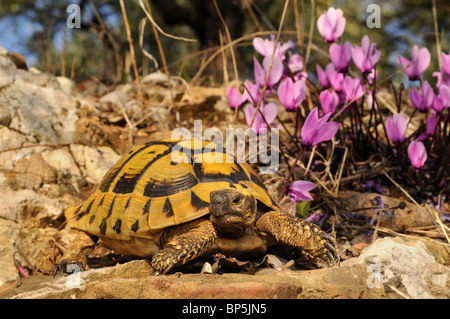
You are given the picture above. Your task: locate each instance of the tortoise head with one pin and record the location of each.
(232, 211)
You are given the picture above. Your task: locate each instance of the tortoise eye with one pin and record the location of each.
(236, 200)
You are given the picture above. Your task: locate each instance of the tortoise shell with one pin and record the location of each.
(147, 190)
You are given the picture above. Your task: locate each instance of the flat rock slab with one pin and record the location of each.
(133, 281)
(389, 268)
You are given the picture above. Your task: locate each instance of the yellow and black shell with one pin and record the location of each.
(147, 191)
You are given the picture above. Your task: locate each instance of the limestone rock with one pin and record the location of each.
(37, 105)
(405, 268)
(94, 161)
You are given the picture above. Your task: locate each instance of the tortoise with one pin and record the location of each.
(204, 201)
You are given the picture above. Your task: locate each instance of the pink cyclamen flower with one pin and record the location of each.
(396, 128)
(443, 77)
(269, 111)
(331, 24)
(291, 93)
(322, 75)
(340, 55)
(432, 121)
(442, 100)
(445, 62)
(419, 63)
(353, 88)
(422, 101)
(298, 191)
(444, 96)
(329, 101)
(372, 76)
(366, 56)
(315, 130)
(275, 73)
(265, 47)
(295, 65)
(235, 98)
(330, 77)
(417, 154)
(252, 93)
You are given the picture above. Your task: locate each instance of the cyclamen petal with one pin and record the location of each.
(326, 132)
(445, 62)
(417, 154)
(275, 73)
(341, 55)
(331, 24)
(265, 47)
(298, 191)
(353, 88)
(444, 95)
(317, 130)
(420, 61)
(310, 124)
(291, 93)
(422, 101)
(329, 101)
(295, 63)
(396, 128)
(366, 56)
(259, 125)
(431, 124)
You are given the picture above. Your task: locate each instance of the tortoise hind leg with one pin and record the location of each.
(285, 229)
(75, 258)
(183, 243)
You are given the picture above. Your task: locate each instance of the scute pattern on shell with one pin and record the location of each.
(152, 188)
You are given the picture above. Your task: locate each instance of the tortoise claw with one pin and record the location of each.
(60, 266)
(64, 266)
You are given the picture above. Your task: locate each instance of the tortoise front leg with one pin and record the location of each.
(183, 243)
(292, 231)
(76, 254)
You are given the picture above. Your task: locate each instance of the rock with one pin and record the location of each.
(17, 203)
(66, 84)
(133, 280)
(94, 161)
(119, 97)
(62, 161)
(5, 116)
(10, 139)
(9, 234)
(37, 105)
(404, 268)
(3, 51)
(7, 71)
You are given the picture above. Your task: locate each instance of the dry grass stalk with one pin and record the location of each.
(133, 56)
(141, 3)
(158, 42)
(111, 39)
(436, 34)
(141, 43)
(233, 58)
(311, 30)
(224, 61)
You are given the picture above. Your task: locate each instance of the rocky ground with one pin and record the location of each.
(57, 139)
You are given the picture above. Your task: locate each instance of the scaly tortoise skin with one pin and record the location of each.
(150, 205)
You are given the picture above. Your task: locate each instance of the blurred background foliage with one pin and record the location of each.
(37, 29)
